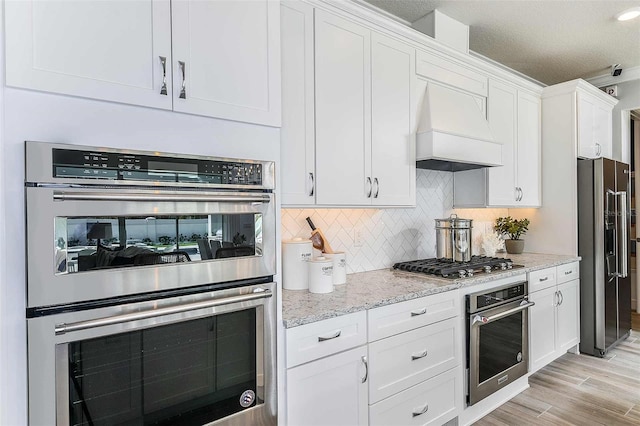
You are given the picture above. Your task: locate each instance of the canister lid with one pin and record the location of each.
(454, 221)
(321, 259)
(297, 240)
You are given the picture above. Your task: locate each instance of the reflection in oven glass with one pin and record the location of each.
(91, 243)
(500, 346)
(189, 373)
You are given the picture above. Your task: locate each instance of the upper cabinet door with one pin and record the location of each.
(297, 137)
(602, 131)
(343, 111)
(501, 106)
(393, 158)
(586, 145)
(226, 59)
(529, 149)
(102, 49)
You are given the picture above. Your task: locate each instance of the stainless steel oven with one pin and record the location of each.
(497, 338)
(150, 294)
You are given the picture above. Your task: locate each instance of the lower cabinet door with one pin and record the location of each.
(432, 402)
(568, 314)
(329, 391)
(542, 325)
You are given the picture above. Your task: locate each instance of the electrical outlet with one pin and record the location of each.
(357, 237)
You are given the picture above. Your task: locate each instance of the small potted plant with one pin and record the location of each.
(514, 228)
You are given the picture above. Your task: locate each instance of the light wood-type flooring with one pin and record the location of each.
(579, 390)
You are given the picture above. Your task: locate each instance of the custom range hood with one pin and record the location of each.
(453, 134)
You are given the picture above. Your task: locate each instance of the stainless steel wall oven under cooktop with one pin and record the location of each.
(150, 294)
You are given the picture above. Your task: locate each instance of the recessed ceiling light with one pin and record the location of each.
(625, 15)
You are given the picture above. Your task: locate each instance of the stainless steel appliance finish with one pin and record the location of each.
(453, 238)
(62, 206)
(200, 372)
(603, 244)
(497, 338)
(150, 294)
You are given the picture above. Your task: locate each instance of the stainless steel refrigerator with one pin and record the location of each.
(603, 244)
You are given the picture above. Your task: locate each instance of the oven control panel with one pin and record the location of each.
(126, 166)
(495, 297)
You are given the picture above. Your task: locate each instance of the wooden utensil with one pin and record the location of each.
(318, 239)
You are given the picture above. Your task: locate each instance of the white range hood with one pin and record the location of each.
(453, 134)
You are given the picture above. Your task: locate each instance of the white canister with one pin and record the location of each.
(339, 267)
(320, 275)
(295, 255)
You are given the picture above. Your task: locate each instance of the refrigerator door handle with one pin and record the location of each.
(623, 256)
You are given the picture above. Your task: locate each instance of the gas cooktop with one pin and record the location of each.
(451, 269)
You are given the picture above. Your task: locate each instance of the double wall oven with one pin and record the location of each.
(149, 288)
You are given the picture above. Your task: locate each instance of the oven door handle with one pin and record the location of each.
(138, 196)
(485, 320)
(136, 316)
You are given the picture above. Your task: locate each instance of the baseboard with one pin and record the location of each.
(475, 412)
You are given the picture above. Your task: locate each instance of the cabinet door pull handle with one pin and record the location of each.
(521, 194)
(163, 61)
(561, 297)
(556, 299)
(598, 149)
(420, 312)
(418, 356)
(420, 411)
(366, 368)
(375, 182)
(183, 90)
(370, 187)
(543, 279)
(333, 336)
(313, 185)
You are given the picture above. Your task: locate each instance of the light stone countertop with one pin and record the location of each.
(368, 290)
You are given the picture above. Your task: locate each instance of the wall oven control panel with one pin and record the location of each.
(73, 163)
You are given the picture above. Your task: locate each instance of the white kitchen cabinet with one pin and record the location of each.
(554, 324)
(96, 49)
(594, 126)
(214, 58)
(515, 121)
(226, 59)
(297, 137)
(329, 391)
(364, 146)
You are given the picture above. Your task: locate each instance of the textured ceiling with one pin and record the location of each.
(549, 40)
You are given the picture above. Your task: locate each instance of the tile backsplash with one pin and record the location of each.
(386, 236)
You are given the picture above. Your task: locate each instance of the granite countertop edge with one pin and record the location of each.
(373, 289)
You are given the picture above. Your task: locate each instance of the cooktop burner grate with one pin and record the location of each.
(448, 268)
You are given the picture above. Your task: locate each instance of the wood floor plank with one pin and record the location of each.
(579, 390)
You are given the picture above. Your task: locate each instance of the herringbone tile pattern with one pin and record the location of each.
(388, 235)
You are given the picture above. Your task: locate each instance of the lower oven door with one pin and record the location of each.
(498, 348)
(207, 358)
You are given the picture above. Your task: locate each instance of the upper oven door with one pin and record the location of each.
(93, 243)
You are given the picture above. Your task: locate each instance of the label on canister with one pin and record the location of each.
(296, 253)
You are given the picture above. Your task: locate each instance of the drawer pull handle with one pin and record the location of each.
(420, 312)
(420, 411)
(543, 279)
(567, 272)
(366, 368)
(420, 355)
(333, 336)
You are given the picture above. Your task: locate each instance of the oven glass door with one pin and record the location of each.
(498, 348)
(86, 244)
(188, 360)
(191, 372)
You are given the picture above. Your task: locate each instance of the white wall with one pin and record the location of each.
(38, 116)
(628, 98)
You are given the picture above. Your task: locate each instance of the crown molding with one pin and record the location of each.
(628, 74)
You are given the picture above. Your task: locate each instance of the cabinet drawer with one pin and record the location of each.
(407, 359)
(435, 399)
(568, 272)
(544, 278)
(438, 68)
(411, 314)
(322, 338)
